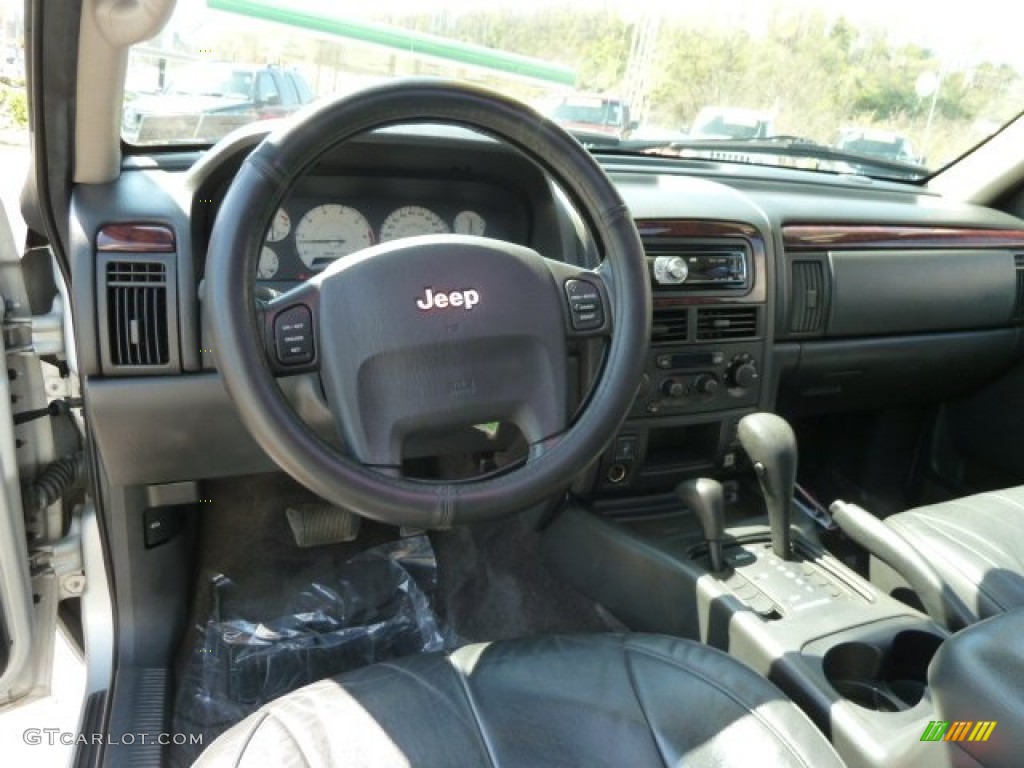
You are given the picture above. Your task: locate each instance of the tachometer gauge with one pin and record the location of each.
(280, 226)
(268, 264)
(329, 232)
(469, 223)
(411, 220)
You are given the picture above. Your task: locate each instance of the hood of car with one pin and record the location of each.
(182, 103)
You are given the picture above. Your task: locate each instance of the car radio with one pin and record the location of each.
(712, 269)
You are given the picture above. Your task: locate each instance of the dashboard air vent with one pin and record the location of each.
(670, 326)
(137, 321)
(726, 323)
(1018, 306)
(807, 313)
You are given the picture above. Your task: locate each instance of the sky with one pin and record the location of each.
(959, 31)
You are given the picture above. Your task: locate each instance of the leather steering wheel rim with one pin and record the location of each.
(253, 198)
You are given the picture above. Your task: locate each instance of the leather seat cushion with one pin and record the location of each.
(593, 700)
(977, 545)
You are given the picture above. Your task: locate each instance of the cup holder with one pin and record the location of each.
(883, 677)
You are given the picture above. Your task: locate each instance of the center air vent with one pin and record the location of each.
(714, 323)
(1018, 306)
(670, 326)
(807, 312)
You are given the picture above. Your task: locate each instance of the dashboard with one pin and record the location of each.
(774, 289)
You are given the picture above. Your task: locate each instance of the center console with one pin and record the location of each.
(707, 361)
(769, 594)
(657, 540)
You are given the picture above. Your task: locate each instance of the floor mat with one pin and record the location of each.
(373, 607)
(256, 590)
(494, 585)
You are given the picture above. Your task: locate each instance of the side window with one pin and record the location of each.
(266, 90)
(305, 95)
(289, 97)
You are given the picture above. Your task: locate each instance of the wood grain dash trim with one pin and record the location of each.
(135, 238)
(818, 237)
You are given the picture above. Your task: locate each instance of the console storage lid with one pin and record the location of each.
(977, 676)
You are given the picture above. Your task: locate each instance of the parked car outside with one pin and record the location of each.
(205, 101)
(587, 113)
(732, 123)
(878, 143)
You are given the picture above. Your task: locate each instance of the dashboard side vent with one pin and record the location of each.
(138, 312)
(1018, 306)
(807, 312)
(670, 326)
(714, 323)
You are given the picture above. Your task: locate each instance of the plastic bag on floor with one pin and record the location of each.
(375, 607)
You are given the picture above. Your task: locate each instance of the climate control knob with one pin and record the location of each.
(673, 388)
(743, 374)
(706, 384)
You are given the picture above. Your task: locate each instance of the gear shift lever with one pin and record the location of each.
(771, 445)
(704, 497)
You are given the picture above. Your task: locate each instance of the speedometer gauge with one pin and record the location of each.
(411, 220)
(329, 232)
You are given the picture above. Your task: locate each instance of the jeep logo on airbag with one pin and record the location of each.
(465, 299)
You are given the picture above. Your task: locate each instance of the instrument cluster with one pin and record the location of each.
(310, 232)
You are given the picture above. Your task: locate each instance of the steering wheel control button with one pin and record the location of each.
(585, 308)
(293, 336)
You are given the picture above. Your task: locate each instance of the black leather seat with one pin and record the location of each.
(975, 543)
(596, 700)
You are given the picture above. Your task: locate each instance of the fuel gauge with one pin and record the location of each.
(268, 264)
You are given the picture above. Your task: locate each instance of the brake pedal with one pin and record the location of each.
(314, 524)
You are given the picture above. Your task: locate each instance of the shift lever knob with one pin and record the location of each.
(704, 497)
(771, 445)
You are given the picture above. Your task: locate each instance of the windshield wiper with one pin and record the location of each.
(732, 150)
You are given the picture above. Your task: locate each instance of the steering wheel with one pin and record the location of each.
(430, 332)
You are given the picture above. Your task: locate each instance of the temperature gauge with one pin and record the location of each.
(470, 223)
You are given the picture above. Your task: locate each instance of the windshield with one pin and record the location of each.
(912, 85)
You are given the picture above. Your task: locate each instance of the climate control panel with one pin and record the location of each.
(688, 379)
